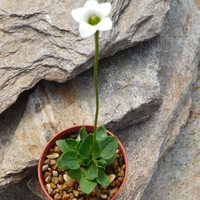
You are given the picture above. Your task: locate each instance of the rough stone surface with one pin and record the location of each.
(178, 174)
(40, 40)
(129, 94)
(18, 192)
(147, 142)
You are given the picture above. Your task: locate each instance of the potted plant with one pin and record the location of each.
(85, 162)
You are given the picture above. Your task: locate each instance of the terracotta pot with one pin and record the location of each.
(71, 130)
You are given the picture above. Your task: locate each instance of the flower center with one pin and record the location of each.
(94, 20)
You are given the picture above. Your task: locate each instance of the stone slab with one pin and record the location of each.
(40, 40)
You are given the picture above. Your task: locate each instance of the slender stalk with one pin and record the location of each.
(96, 81)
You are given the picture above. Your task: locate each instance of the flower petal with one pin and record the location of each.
(91, 4)
(79, 15)
(103, 9)
(86, 30)
(104, 25)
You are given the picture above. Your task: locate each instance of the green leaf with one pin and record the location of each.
(85, 162)
(70, 160)
(78, 139)
(67, 145)
(102, 163)
(111, 160)
(85, 147)
(75, 174)
(62, 145)
(61, 165)
(109, 146)
(92, 171)
(83, 133)
(101, 133)
(103, 179)
(86, 185)
(96, 150)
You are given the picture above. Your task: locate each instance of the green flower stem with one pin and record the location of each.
(96, 81)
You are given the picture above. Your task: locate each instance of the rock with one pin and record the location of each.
(49, 189)
(129, 94)
(45, 168)
(57, 196)
(55, 180)
(53, 156)
(112, 177)
(55, 173)
(104, 196)
(146, 143)
(48, 179)
(76, 193)
(53, 186)
(18, 192)
(177, 176)
(113, 191)
(40, 40)
(68, 180)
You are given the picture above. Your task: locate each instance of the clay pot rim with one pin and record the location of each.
(71, 130)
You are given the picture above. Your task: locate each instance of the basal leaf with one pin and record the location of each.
(75, 174)
(111, 160)
(101, 133)
(102, 163)
(109, 146)
(83, 133)
(85, 147)
(86, 185)
(67, 145)
(70, 160)
(61, 165)
(62, 145)
(96, 151)
(92, 171)
(102, 178)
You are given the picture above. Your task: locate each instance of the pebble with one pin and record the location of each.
(49, 189)
(57, 150)
(45, 168)
(71, 195)
(60, 178)
(104, 196)
(117, 183)
(48, 179)
(69, 181)
(76, 193)
(55, 166)
(121, 179)
(64, 186)
(55, 180)
(46, 161)
(57, 196)
(115, 164)
(123, 167)
(53, 155)
(56, 191)
(47, 174)
(52, 162)
(112, 177)
(66, 197)
(113, 191)
(55, 173)
(53, 186)
(121, 173)
(51, 150)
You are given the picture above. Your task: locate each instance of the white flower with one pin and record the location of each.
(93, 17)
